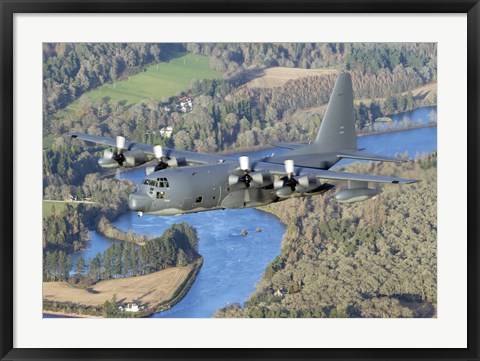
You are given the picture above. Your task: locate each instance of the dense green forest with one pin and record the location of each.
(227, 114)
(67, 229)
(178, 246)
(370, 259)
(71, 69)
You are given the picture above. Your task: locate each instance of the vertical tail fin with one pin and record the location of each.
(337, 131)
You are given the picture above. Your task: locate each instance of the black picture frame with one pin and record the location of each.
(9, 7)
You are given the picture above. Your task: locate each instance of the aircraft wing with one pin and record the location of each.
(329, 174)
(288, 145)
(190, 157)
(360, 154)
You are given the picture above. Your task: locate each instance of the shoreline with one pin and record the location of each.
(184, 288)
(67, 315)
(177, 296)
(394, 130)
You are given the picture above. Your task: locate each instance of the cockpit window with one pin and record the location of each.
(160, 182)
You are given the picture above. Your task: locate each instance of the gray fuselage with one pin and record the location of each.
(200, 188)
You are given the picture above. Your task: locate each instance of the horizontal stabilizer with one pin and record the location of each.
(288, 145)
(357, 154)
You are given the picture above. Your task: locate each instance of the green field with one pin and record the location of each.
(48, 141)
(59, 206)
(158, 82)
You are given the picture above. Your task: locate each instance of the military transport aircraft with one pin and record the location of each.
(187, 182)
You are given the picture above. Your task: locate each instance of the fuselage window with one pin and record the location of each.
(198, 199)
(161, 195)
(162, 182)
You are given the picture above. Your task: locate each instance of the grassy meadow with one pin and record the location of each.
(59, 206)
(158, 81)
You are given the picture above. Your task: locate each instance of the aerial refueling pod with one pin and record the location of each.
(357, 191)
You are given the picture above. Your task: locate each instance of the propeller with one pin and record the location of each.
(119, 148)
(244, 163)
(114, 157)
(251, 180)
(242, 177)
(287, 185)
(162, 159)
(245, 177)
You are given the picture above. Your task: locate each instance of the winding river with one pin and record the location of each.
(233, 264)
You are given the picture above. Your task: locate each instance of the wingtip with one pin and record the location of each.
(405, 181)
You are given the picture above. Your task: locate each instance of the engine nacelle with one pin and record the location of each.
(356, 195)
(177, 162)
(261, 179)
(255, 179)
(134, 158)
(296, 187)
(108, 163)
(307, 183)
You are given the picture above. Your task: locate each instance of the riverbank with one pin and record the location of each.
(106, 229)
(344, 244)
(155, 292)
(393, 130)
(67, 315)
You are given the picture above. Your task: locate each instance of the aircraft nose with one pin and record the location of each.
(139, 202)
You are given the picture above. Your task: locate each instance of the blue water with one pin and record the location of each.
(420, 115)
(413, 142)
(97, 243)
(234, 264)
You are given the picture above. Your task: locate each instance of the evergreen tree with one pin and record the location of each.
(80, 265)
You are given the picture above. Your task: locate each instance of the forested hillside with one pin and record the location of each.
(178, 246)
(71, 69)
(370, 259)
(225, 113)
(66, 230)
